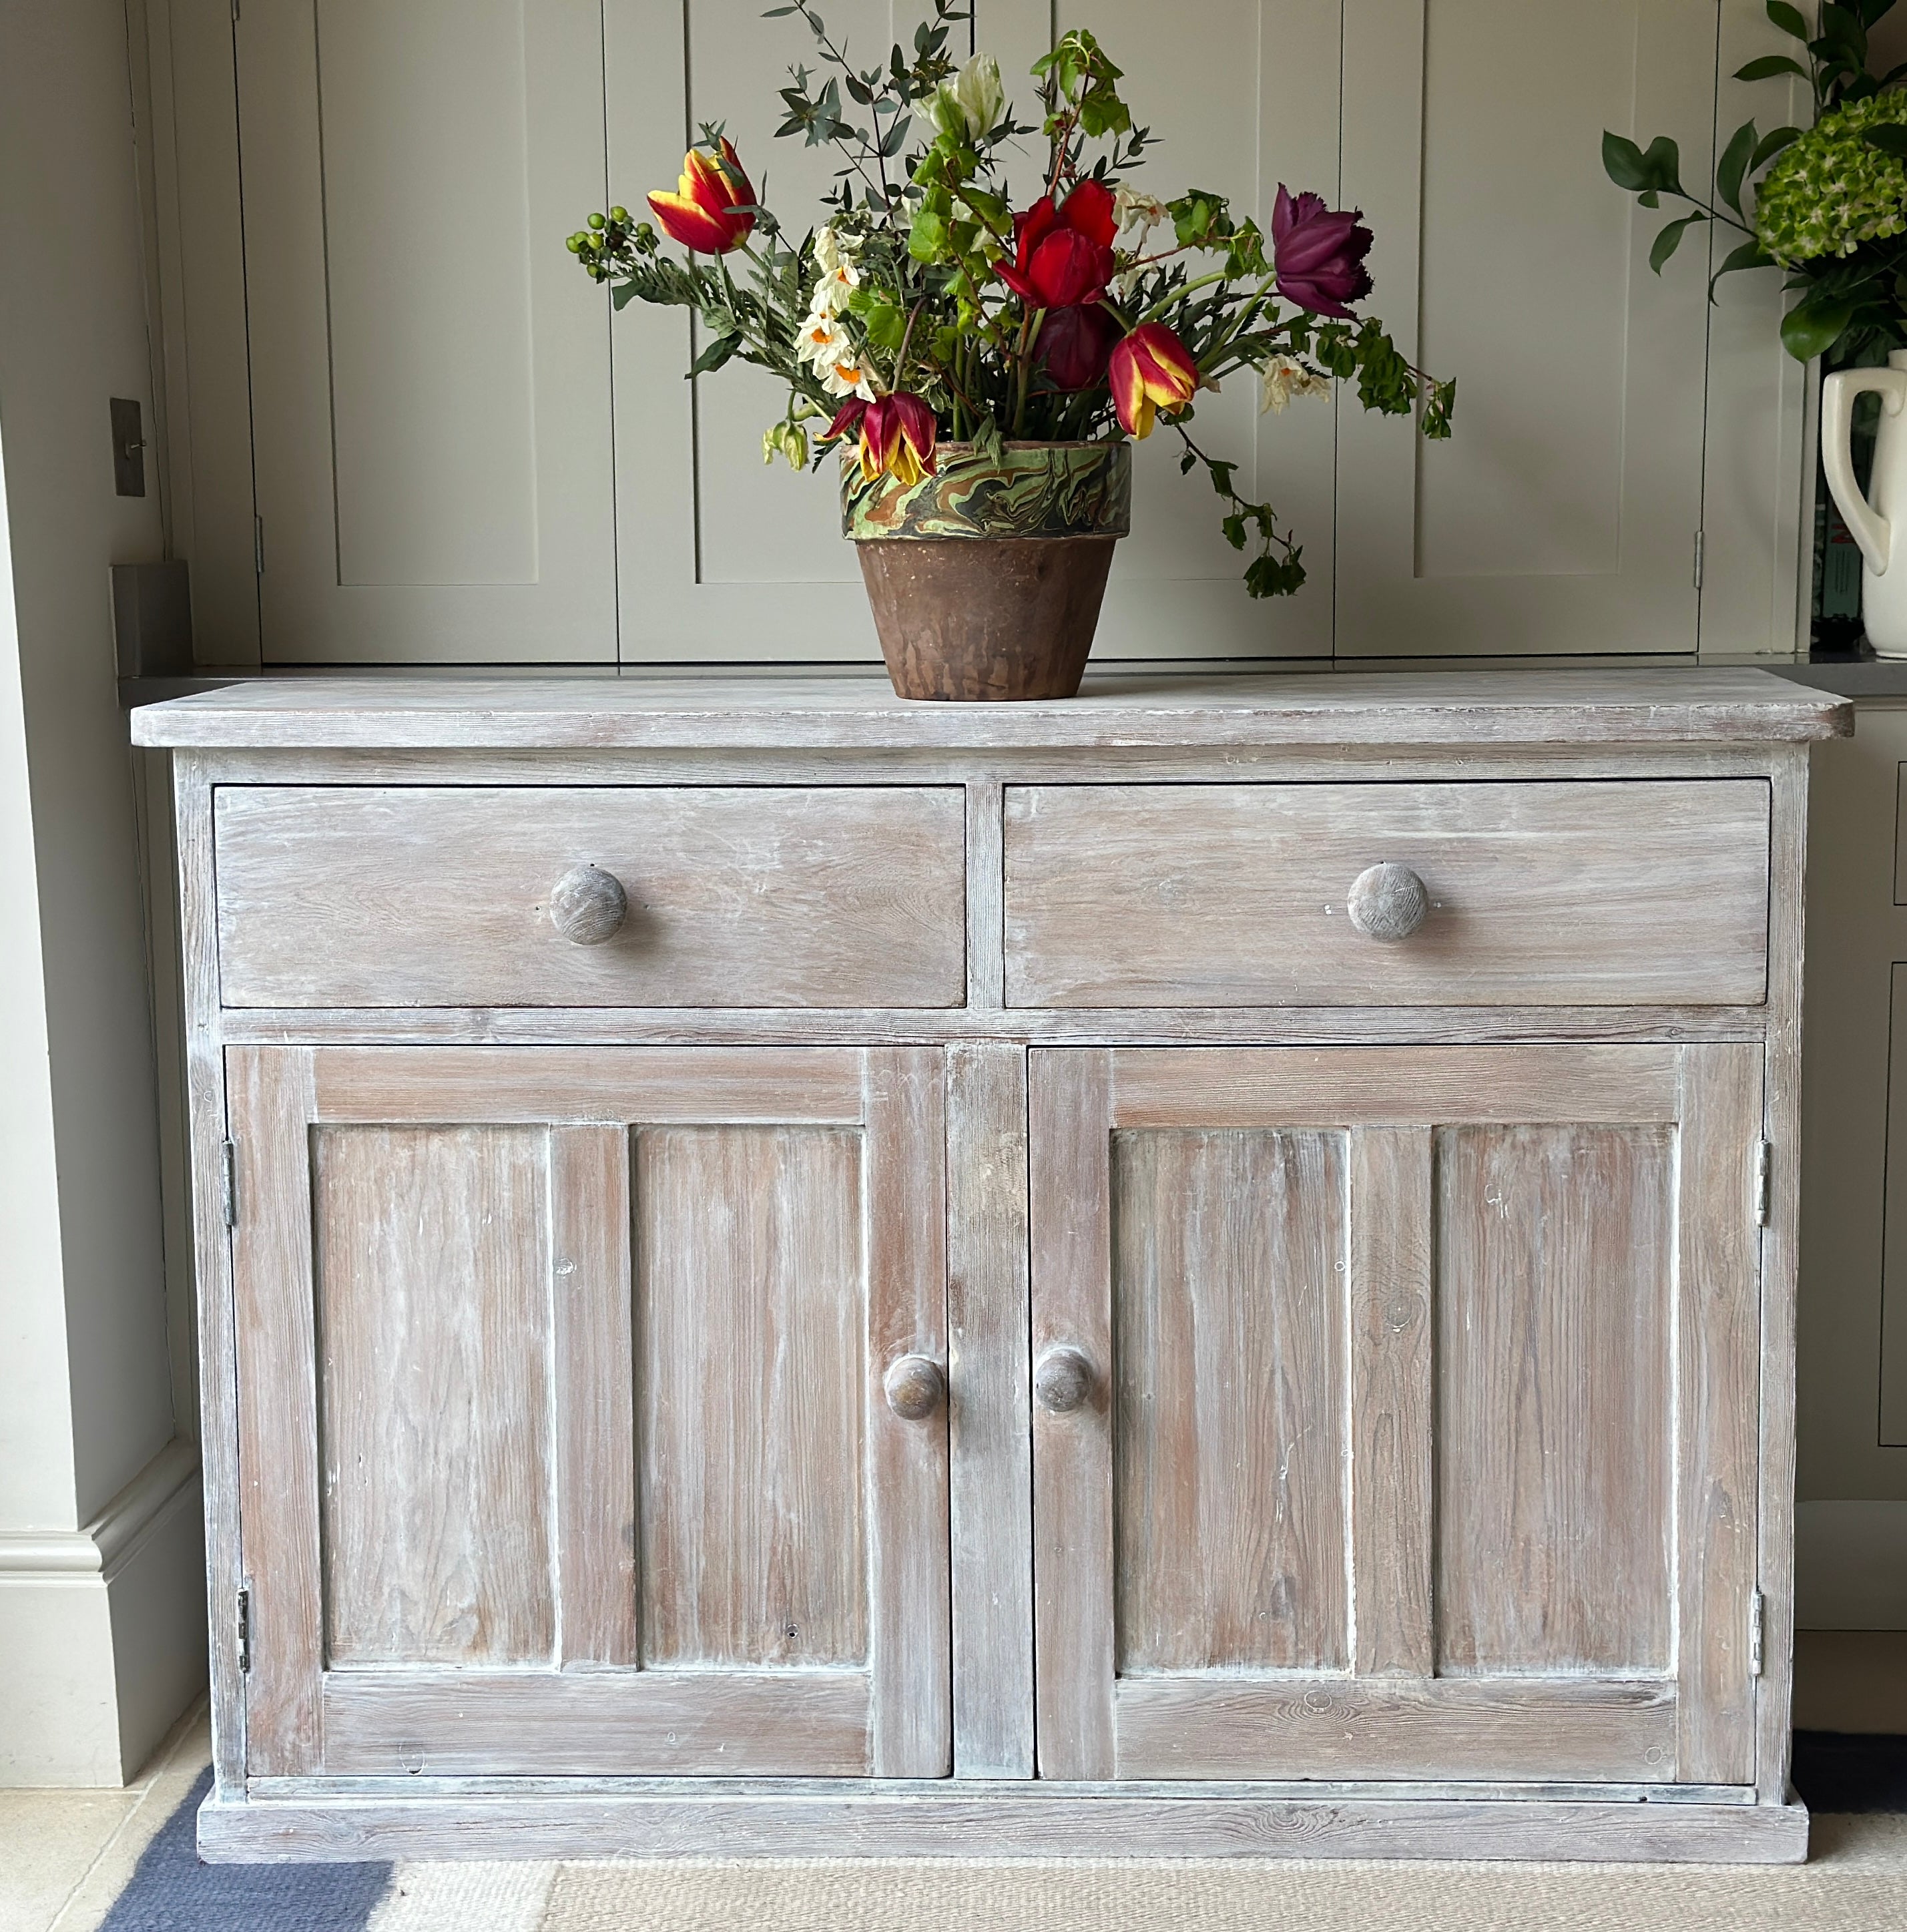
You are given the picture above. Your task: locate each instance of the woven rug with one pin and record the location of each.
(1856, 1881)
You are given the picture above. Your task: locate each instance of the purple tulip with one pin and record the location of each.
(1077, 343)
(1319, 254)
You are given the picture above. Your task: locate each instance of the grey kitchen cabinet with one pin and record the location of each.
(1204, 1270)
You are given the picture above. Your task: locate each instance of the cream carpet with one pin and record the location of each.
(1856, 1882)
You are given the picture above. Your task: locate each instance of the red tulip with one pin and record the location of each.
(1319, 254)
(1075, 342)
(1063, 257)
(704, 216)
(897, 437)
(847, 419)
(1152, 369)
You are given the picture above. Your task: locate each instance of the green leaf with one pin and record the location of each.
(1622, 161)
(1749, 255)
(1734, 164)
(1670, 239)
(1890, 140)
(718, 352)
(621, 295)
(1814, 324)
(1788, 18)
(1772, 144)
(1233, 527)
(1768, 66)
(885, 325)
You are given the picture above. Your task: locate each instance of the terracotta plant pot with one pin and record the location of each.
(987, 578)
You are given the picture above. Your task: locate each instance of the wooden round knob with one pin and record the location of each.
(587, 905)
(1387, 902)
(916, 1388)
(1062, 1381)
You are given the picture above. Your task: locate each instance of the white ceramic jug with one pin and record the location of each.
(1878, 522)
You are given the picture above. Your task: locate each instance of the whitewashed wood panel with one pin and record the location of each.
(1212, 895)
(1562, 516)
(430, 377)
(1228, 1410)
(440, 896)
(1555, 1370)
(750, 1319)
(1589, 1728)
(434, 1397)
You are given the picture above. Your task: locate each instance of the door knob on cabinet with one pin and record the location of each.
(587, 905)
(1062, 1381)
(1387, 902)
(916, 1388)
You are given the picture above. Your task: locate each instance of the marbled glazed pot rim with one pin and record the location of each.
(1030, 489)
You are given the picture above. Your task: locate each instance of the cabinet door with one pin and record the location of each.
(1418, 1437)
(1562, 515)
(562, 1422)
(430, 375)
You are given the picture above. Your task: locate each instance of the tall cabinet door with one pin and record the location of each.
(1561, 516)
(1395, 1412)
(564, 1439)
(430, 373)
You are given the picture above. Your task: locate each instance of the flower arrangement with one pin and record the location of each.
(927, 309)
(1828, 204)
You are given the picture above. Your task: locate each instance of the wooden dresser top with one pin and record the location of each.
(860, 712)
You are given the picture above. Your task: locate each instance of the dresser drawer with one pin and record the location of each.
(1599, 893)
(736, 896)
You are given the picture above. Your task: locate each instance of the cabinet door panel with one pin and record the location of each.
(1562, 515)
(1421, 1435)
(748, 1397)
(564, 1441)
(1227, 1263)
(1555, 1273)
(429, 375)
(433, 1376)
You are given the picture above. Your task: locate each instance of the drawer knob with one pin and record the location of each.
(1062, 1381)
(916, 1388)
(587, 905)
(1387, 902)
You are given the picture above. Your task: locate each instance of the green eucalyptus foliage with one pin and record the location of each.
(1827, 204)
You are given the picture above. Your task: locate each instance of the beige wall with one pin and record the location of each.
(87, 1478)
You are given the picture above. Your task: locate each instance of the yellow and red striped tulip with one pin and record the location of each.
(704, 215)
(898, 434)
(1151, 369)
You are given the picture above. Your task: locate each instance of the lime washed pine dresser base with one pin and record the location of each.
(1205, 1270)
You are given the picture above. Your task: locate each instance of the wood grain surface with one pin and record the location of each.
(750, 1320)
(1228, 1423)
(441, 896)
(1555, 1274)
(1526, 706)
(1540, 894)
(433, 1286)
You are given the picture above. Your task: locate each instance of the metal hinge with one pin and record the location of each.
(1764, 1180)
(1756, 1603)
(258, 545)
(1699, 536)
(244, 1629)
(229, 1181)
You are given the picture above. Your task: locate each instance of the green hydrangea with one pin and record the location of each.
(1829, 191)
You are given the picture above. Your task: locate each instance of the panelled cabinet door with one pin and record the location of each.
(1395, 1412)
(564, 1439)
(429, 375)
(1561, 516)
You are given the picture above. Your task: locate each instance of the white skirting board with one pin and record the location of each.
(1850, 1565)
(103, 1631)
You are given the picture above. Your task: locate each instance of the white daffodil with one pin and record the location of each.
(830, 250)
(847, 376)
(833, 291)
(1131, 209)
(822, 339)
(1285, 377)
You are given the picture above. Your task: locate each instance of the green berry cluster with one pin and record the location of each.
(1833, 190)
(608, 243)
